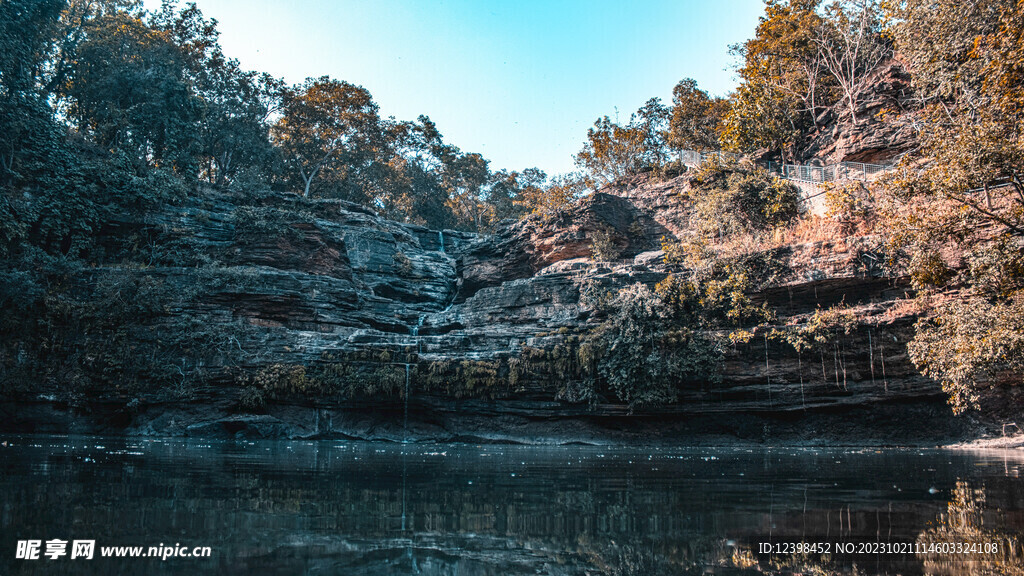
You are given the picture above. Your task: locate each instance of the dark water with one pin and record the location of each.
(334, 507)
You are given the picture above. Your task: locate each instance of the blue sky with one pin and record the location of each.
(518, 81)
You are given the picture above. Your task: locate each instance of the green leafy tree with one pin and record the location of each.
(652, 119)
(237, 104)
(328, 127)
(963, 188)
(696, 118)
(557, 194)
(27, 31)
(785, 81)
(785, 54)
(413, 189)
(466, 176)
(939, 41)
(969, 345)
(130, 90)
(759, 117)
(613, 151)
(511, 193)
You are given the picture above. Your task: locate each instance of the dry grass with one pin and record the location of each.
(903, 308)
(806, 229)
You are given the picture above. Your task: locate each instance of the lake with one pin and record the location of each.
(354, 508)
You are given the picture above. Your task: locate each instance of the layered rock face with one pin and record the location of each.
(342, 323)
(883, 128)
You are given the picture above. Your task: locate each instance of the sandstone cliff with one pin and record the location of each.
(884, 128)
(327, 320)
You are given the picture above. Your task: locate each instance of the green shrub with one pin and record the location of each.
(717, 297)
(850, 201)
(643, 357)
(603, 246)
(928, 270)
(968, 344)
(259, 223)
(997, 268)
(822, 329)
(729, 198)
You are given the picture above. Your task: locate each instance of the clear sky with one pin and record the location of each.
(518, 81)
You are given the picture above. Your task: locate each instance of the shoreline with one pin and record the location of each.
(921, 424)
(1010, 442)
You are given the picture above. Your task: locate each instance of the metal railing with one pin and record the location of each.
(694, 158)
(801, 172)
(831, 173)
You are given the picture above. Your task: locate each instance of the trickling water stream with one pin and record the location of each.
(415, 330)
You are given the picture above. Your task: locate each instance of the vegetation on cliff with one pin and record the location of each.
(952, 210)
(110, 113)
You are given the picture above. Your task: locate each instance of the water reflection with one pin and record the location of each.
(968, 521)
(358, 508)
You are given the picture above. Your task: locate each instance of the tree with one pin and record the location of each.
(784, 53)
(971, 137)
(963, 188)
(1003, 73)
(237, 104)
(553, 196)
(328, 124)
(235, 133)
(466, 175)
(26, 32)
(938, 40)
(969, 344)
(696, 118)
(509, 192)
(129, 90)
(414, 190)
(759, 117)
(652, 120)
(784, 80)
(613, 150)
(27, 29)
(800, 61)
(851, 46)
(57, 187)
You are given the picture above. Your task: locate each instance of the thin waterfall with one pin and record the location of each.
(414, 331)
(440, 239)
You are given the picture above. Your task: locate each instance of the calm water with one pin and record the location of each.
(334, 507)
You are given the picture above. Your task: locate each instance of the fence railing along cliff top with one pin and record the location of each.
(799, 172)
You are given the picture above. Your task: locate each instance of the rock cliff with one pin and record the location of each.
(884, 125)
(328, 320)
